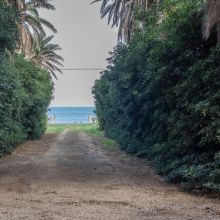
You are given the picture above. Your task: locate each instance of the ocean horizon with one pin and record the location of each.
(70, 115)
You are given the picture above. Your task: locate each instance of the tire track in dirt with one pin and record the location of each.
(70, 176)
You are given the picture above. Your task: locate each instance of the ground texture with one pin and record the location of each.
(70, 176)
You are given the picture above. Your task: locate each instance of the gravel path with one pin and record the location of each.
(69, 176)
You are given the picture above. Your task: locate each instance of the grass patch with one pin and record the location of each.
(56, 129)
(111, 145)
(89, 129)
(92, 130)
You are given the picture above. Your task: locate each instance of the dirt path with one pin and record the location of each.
(69, 176)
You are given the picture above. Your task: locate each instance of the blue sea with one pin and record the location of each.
(70, 115)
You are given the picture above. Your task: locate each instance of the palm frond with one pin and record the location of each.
(44, 54)
(120, 13)
(31, 24)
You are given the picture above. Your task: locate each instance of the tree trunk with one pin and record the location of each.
(218, 33)
(12, 2)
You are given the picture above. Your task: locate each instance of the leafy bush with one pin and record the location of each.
(25, 89)
(8, 27)
(160, 97)
(25, 93)
(37, 85)
(11, 92)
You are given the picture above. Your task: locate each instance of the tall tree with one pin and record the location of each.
(30, 23)
(44, 54)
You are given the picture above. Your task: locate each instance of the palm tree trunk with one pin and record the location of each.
(218, 33)
(13, 3)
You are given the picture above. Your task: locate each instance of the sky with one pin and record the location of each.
(85, 40)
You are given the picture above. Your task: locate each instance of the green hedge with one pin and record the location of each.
(160, 97)
(12, 131)
(8, 27)
(37, 86)
(25, 93)
(25, 89)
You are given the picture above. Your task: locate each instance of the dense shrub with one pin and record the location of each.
(160, 97)
(12, 131)
(25, 89)
(8, 27)
(25, 93)
(37, 86)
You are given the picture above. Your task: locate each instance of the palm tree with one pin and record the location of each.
(121, 14)
(31, 24)
(212, 19)
(13, 3)
(36, 3)
(44, 54)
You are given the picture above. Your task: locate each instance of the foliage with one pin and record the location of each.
(30, 24)
(121, 14)
(12, 131)
(159, 97)
(25, 89)
(25, 93)
(8, 27)
(38, 87)
(33, 42)
(45, 55)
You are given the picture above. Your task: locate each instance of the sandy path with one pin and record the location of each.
(70, 177)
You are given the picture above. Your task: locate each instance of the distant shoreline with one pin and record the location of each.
(71, 115)
(71, 107)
